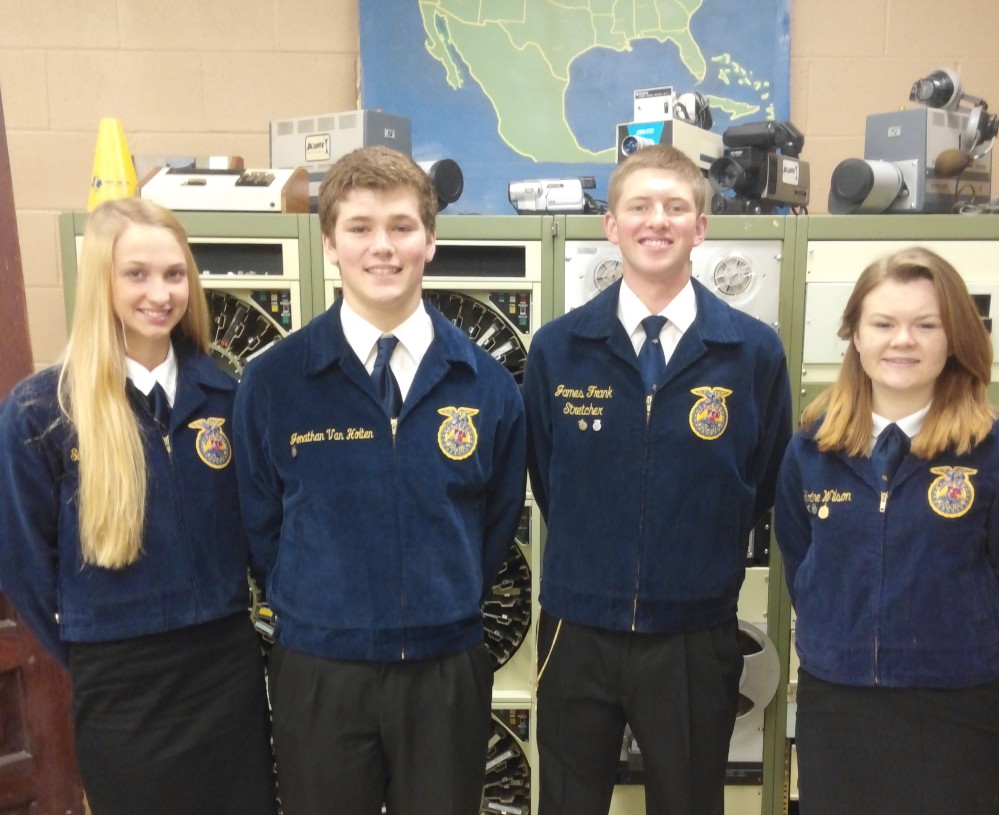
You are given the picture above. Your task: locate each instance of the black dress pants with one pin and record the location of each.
(350, 735)
(678, 692)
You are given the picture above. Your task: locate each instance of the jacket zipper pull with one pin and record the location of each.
(884, 500)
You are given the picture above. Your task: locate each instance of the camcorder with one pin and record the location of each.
(760, 170)
(554, 195)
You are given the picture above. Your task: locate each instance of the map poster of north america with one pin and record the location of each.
(516, 90)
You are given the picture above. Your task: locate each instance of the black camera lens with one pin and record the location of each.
(852, 180)
(725, 173)
(448, 181)
(935, 91)
(989, 127)
(736, 205)
(630, 144)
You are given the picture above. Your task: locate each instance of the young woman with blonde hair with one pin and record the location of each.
(887, 516)
(123, 548)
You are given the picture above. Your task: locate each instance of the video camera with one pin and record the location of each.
(554, 195)
(760, 170)
(921, 160)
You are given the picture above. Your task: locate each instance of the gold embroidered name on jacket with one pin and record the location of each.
(574, 408)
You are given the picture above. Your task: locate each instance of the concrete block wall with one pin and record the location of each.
(186, 77)
(207, 77)
(856, 57)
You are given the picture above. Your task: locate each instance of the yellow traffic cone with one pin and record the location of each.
(114, 172)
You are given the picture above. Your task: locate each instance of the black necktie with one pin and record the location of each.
(889, 450)
(651, 359)
(385, 383)
(160, 406)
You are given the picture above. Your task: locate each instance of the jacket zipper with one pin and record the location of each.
(641, 523)
(877, 639)
(394, 422)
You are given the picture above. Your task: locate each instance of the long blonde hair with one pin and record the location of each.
(960, 416)
(92, 396)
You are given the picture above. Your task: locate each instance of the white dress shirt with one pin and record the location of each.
(910, 425)
(165, 373)
(679, 314)
(415, 334)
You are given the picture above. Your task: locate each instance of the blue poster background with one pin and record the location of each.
(448, 66)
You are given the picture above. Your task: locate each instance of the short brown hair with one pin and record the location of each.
(375, 168)
(658, 157)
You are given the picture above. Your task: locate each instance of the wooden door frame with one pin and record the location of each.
(39, 773)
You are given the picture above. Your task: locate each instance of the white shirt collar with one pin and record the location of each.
(165, 373)
(415, 334)
(680, 311)
(910, 425)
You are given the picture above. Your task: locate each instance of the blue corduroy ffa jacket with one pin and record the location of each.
(194, 553)
(649, 510)
(904, 597)
(373, 544)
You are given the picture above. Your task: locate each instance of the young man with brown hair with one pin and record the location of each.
(381, 464)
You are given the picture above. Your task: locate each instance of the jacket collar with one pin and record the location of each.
(326, 344)
(197, 376)
(200, 369)
(598, 319)
(861, 465)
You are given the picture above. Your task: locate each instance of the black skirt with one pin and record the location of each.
(902, 751)
(174, 723)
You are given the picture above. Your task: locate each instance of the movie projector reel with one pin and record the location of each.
(242, 325)
(757, 687)
(506, 613)
(590, 267)
(744, 274)
(507, 789)
(485, 324)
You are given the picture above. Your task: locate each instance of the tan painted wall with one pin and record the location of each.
(205, 77)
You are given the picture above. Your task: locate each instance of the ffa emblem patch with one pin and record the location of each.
(211, 443)
(709, 415)
(457, 436)
(952, 493)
